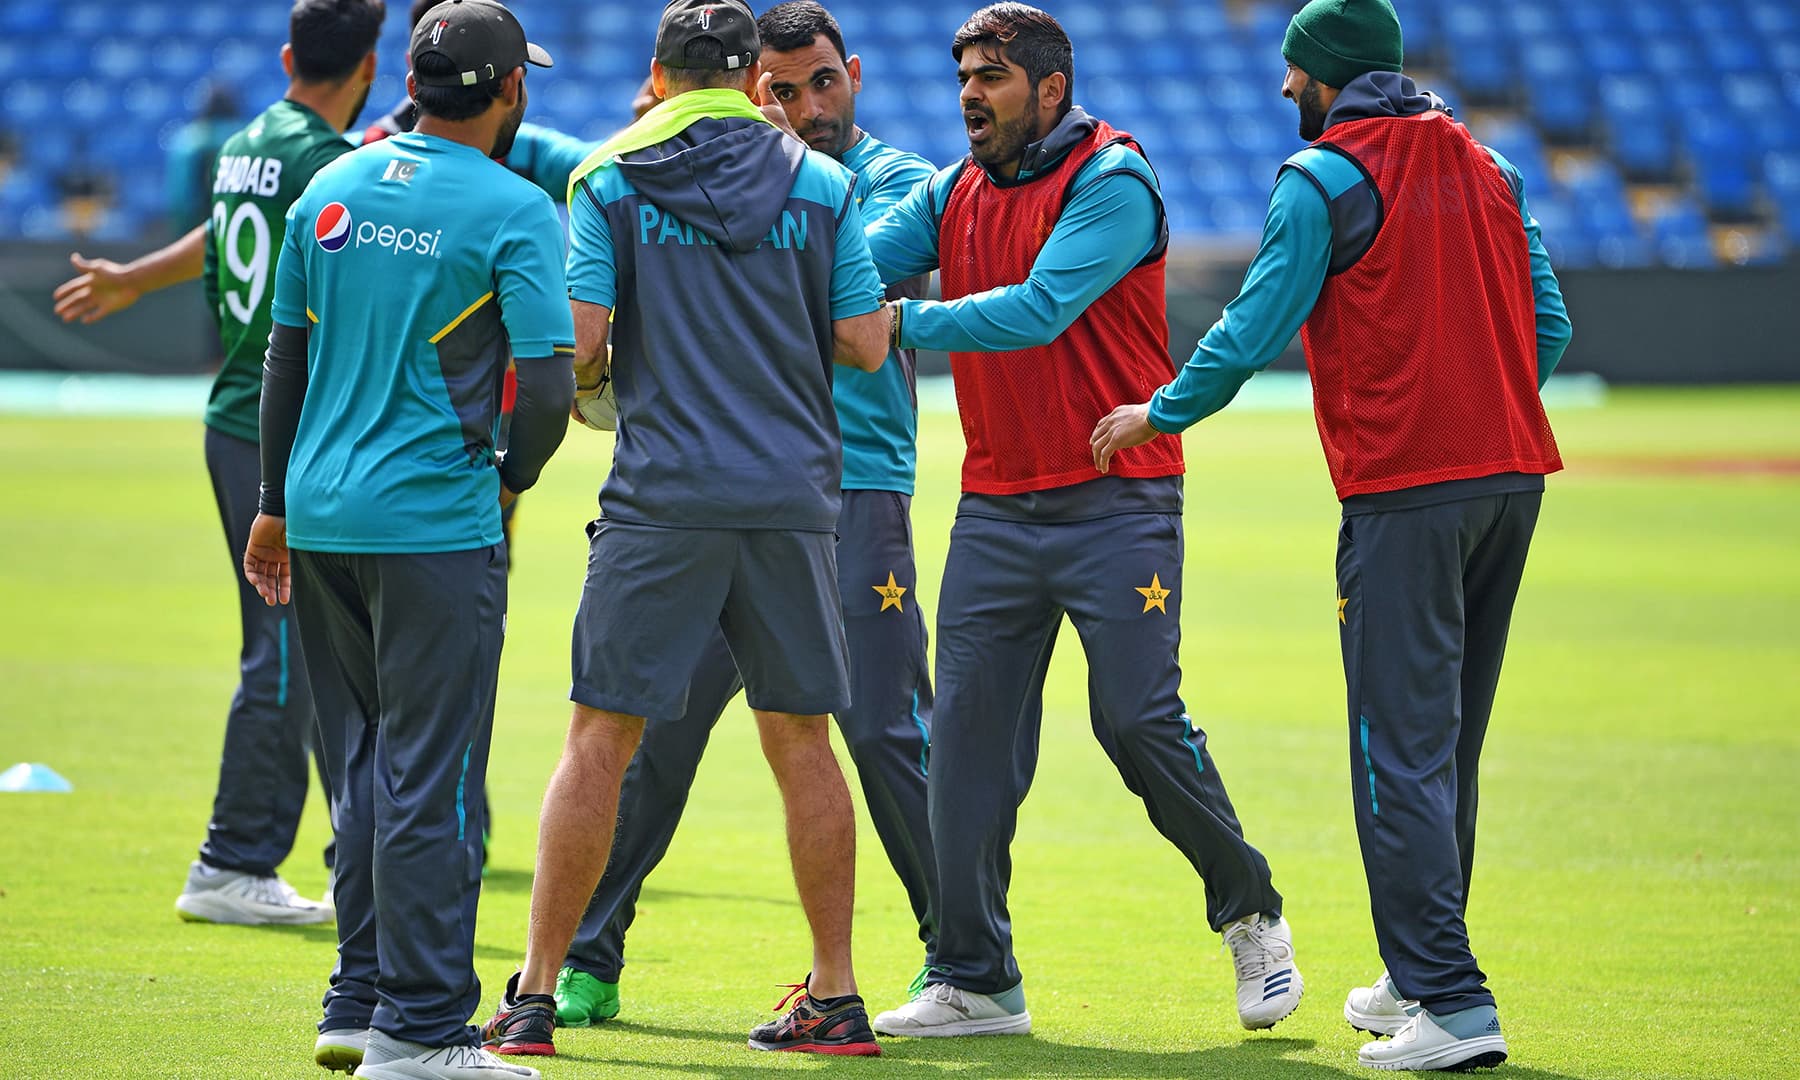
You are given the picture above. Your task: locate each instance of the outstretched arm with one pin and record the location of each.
(1108, 227)
(106, 288)
(1279, 292)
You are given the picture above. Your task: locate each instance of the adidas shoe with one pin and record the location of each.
(232, 896)
(1464, 1040)
(1268, 982)
(945, 1010)
(389, 1058)
(1379, 1009)
(813, 1026)
(582, 1000)
(523, 1025)
(341, 1050)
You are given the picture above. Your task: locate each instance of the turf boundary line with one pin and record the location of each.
(61, 393)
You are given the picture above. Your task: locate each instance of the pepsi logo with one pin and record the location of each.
(332, 227)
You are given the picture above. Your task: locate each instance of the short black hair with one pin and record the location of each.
(1025, 36)
(450, 102)
(795, 24)
(331, 37)
(681, 80)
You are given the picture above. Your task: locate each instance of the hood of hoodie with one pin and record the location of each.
(1044, 155)
(729, 178)
(1382, 93)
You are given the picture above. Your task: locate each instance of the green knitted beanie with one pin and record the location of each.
(1334, 41)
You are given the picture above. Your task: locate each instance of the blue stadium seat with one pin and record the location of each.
(89, 20)
(1781, 169)
(1569, 242)
(28, 104)
(1518, 142)
(1769, 17)
(1669, 59)
(28, 20)
(1624, 252)
(1653, 20)
(1734, 53)
(1615, 55)
(1681, 235)
(1726, 187)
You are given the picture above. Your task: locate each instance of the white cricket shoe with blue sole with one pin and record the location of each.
(1268, 981)
(942, 1010)
(1379, 1009)
(1465, 1040)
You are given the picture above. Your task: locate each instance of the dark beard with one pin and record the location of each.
(1007, 143)
(1312, 113)
(360, 102)
(503, 140)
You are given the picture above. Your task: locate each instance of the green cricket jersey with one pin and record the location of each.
(262, 170)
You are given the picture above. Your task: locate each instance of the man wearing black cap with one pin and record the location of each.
(720, 508)
(413, 271)
(330, 60)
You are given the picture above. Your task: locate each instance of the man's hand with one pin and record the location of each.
(266, 562)
(102, 288)
(1125, 426)
(771, 108)
(507, 497)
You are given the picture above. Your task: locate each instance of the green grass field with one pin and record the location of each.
(1637, 901)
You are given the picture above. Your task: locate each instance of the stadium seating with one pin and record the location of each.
(1645, 129)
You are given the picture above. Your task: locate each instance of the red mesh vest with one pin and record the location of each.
(1027, 415)
(1424, 353)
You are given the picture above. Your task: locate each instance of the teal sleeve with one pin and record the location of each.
(1553, 327)
(527, 257)
(1279, 292)
(547, 157)
(855, 287)
(593, 276)
(904, 240)
(1107, 228)
(893, 185)
(289, 304)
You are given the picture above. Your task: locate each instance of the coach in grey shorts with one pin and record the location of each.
(726, 264)
(656, 595)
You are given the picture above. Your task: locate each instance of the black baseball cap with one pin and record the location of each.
(480, 37)
(728, 22)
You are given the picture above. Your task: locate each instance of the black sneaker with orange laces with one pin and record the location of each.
(837, 1025)
(524, 1024)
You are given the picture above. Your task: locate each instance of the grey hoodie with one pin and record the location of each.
(726, 253)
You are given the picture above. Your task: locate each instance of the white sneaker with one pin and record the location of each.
(1268, 982)
(389, 1058)
(945, 1010)
(1423, 1045)
(341, 1050)
(1379, 1009)
(232, 896)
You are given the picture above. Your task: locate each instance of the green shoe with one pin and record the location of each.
(582, 1000)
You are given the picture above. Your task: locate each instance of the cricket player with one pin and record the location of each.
(1050, 240)
(413, 272)
(330, 62)
(1405, 254)
(887, 726)
(735, 261)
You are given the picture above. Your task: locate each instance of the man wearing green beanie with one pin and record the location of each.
(1405, 254)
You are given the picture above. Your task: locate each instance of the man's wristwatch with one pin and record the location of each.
(895, 307)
